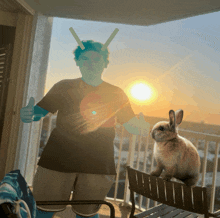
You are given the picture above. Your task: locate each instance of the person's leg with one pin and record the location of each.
(49, 185)
(90, 187)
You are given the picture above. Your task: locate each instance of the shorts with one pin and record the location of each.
(50, 185)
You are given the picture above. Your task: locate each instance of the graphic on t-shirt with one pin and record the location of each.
(96, 111)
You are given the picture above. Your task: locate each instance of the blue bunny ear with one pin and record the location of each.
(110, 39)
(76, 38)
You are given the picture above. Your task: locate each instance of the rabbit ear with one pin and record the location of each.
(172, 119)
(179, 116)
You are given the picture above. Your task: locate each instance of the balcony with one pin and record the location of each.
(136, 151)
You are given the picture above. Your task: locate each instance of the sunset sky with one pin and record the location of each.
(179, 60)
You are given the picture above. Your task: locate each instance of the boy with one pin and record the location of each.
(79, 155)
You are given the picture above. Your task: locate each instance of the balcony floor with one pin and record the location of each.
(104, 211)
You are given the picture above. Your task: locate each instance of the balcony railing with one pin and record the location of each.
(138, 154)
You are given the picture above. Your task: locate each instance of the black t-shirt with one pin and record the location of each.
(83, 138)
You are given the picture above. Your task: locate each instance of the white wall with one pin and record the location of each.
(28, 145)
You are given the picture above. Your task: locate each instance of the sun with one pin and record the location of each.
(141, 92)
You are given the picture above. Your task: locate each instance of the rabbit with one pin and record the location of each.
(174, 154)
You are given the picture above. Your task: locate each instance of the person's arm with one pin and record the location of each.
(32, 113)
(131, 127)
(39, 112)
(49, 103)
(137, 126)
(127, 118)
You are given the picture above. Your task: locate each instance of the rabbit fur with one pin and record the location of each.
(174, 154)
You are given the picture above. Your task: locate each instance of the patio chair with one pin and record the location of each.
(17, 201)
(177, 200)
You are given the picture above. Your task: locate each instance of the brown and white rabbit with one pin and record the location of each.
(174, 154)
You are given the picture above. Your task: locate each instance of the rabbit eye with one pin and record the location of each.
(161, 128)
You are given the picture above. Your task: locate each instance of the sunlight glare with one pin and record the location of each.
(141, 92)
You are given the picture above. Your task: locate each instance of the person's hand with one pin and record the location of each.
(137, 126)
(144, 127)
(27, 113)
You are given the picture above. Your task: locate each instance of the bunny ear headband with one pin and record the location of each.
(103, 47)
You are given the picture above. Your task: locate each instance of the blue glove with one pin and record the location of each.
(32, 113)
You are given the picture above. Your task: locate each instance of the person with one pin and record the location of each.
(79, 155)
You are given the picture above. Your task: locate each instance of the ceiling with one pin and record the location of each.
(15, 6)
(135, 12)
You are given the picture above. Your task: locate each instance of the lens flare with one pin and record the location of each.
(94, 112)
(141, 92)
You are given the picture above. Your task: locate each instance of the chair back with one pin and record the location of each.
(170, 193)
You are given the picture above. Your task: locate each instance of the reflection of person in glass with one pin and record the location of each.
(79, 155)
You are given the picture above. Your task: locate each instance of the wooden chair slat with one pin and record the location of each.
(163, 211)
(194, 215)
(161, 190)
(198, 199)
(169, 193)
(153, 185)
(147, 192)
(180, 200)
(155, 215)
(132, 179)
(176, 212)
(184, 214)
(204, 193)
(167, 210)
(187, 192)
(140, 183)
(178, 195)
(150, 211)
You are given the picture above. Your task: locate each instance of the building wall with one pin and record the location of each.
(20, 141)
(29, 135)
(11, 124)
